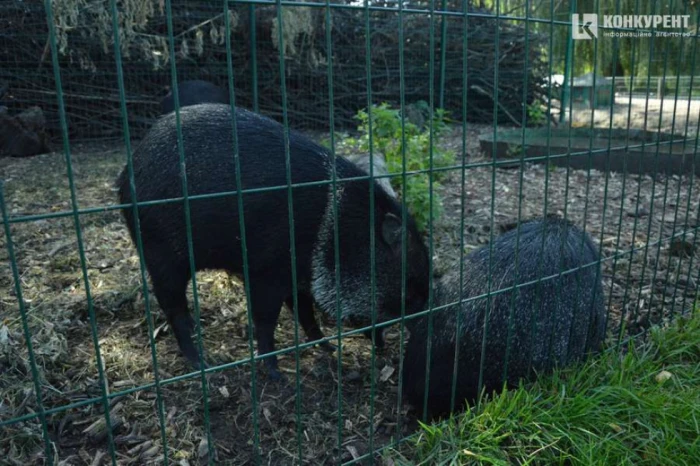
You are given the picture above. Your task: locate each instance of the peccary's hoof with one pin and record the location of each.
(328, 347)
(378, 338)
(194, 361)
(273, 372)
(197, 366)
(379, 342)
(274, 375)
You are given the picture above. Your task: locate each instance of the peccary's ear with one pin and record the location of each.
(391, 231)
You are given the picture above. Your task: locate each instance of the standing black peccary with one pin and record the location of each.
(554, 323)
(193, 93)
(216, 237)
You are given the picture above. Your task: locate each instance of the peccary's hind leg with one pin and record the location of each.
(378, 337)
(170, 292)
(307, 319)
(266, 307)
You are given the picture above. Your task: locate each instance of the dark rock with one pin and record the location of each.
(23, 135)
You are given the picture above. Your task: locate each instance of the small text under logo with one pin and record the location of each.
(585, 26)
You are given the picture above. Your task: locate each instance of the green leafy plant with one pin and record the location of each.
(415, 143)
(536, 115)
(514, 151)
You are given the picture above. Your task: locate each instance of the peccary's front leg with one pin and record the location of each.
(307, 320)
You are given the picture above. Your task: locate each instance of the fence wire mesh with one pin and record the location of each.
(480, 115)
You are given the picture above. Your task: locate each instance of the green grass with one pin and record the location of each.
(637, 408)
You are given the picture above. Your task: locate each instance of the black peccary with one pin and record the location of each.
(216, 237)
(193, 93)
(24, 134)
(553, 324)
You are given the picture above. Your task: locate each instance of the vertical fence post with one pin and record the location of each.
(462, 199)
(102, 378)
(624, 180)
(253, 55)
(538, 297)
(404, 180)
(593, 101)
(668, 175)
(489, 284)
(372, 220)
(292, 236)
(443, 54)
(568, 71)
(48, 445)
(523, 151)
(188, 226)
(241, 225)
(137, 227)
(639, 187)
(336, 238)
(637, 307)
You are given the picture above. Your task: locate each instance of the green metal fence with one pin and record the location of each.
(78, 383)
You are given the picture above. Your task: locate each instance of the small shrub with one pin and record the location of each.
(536, 115)
(514, 151)
(387, 138)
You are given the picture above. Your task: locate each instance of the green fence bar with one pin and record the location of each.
(139, 243)
(590, 160)
(292, 236)
(257, 454)
(667, 181)
(516, 259)
(188, 226)
(404, 181)
(637, 306)
(328, 22)
(489, 284)
(639, 187)
(624, 183)
(48, 447)
(431, 216)
(78, 230)
(372, 220)
(253, 52)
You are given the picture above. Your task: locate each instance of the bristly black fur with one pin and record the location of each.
(216, 236)
(554, 322)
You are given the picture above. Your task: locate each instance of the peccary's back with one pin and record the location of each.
(550, 319)
(209, 156)
(215, 218)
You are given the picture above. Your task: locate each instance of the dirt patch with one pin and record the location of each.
(330, 413)
(669, 115)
